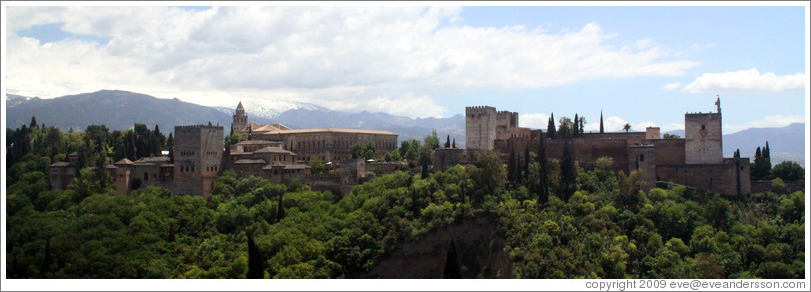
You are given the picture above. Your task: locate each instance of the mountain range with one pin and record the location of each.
(119, 110)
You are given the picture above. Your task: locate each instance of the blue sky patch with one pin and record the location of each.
(52, 32)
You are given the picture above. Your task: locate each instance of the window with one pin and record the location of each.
(146, 176)
(641, 157)
(703, 127)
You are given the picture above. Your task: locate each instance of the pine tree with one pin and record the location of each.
(33, 123)
(576, 126)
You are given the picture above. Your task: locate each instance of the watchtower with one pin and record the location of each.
(198, 154)
(703, 137)
(480, 127)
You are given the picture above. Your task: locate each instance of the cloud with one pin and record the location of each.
(772, 121)
(534, 121)
(339, 57)
(746, 81)
(672, 86)
(421, 107)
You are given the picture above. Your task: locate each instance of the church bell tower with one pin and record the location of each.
(240, 119)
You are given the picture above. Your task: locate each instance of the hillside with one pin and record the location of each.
(116, 109)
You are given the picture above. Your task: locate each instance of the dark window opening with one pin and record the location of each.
(703, 127)
(641, 157)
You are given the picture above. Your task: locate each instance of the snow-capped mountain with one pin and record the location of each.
(270, 109)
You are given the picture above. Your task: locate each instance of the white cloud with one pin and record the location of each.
(340, 57)
(421, 107)
(746, 81)
(768, 122)
(534, 121)
(672, 86)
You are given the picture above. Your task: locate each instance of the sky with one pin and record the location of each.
(642, 65)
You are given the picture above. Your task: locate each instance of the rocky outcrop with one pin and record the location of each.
(467, 248)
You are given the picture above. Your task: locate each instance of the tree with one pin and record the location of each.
(316, 166)
(356, 151)
(626, 127)
(581, 123)
(33, 123)
(576, 126)
(671, 136)
(170, 144)
(448, 142)
(761, 167)
(490, 174)
(550, 127)
(565, 127)
(602, 130)
(543, 192)
(568, 174)
(453, 145)
(788, 171)
(432, 141)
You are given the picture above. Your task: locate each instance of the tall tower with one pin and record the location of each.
(480, 127)
(198, 154)
(703, 137)
(240, 119)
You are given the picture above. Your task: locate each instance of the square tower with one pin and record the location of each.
(703, 140)
(198, 154)
(480, 127)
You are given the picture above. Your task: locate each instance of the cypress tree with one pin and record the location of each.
(568, 172)
(543, 193)
(33, 123)
(602, 130)
(526, 162)
(576, 126)
(550, 127)
(448, 142)
(454, 143)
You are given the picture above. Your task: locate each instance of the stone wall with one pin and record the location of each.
(445, 158)
(760, 186)
(668, 151)
(702, 132)
(643, 158)
(730, 178)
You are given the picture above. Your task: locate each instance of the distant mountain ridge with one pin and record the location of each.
(785, 143)
(119, 110)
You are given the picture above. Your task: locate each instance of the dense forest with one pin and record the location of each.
(559, 219)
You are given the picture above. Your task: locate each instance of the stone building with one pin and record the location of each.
(695, 160)
(328, 144)
(198, 156)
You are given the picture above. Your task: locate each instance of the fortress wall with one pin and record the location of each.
(730, 178)
(668, 151)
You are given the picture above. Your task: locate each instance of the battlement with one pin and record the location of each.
(479, 109)
(506, 112)
(189, 127)
(698, 114)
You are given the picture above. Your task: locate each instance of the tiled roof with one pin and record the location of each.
(60, 164)
(153, 159)
(250, 161)
(273, 150)
(326, 130)
(124, 161)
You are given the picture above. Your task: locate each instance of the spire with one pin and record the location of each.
(239, 107)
